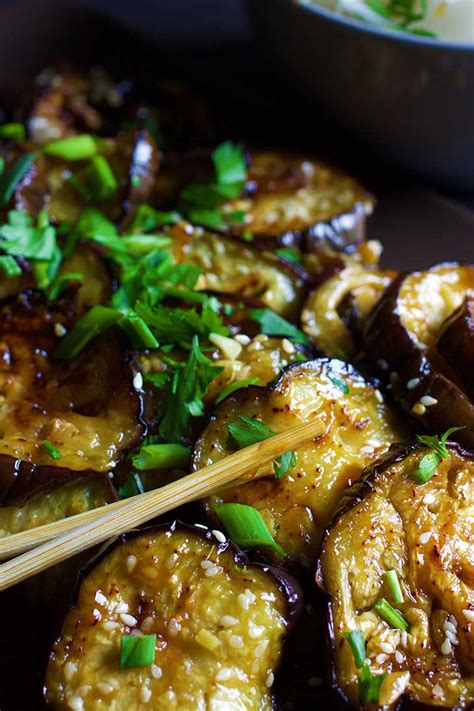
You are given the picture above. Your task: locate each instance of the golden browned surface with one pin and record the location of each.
(219, 633)
(72, 498)
(358, 427)
(424, 532)
(230, 266)
(321, 318)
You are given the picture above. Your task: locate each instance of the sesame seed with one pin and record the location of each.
(418, 408)
(386, 647)
(146, 624)
(428, 401)
(138, 381)
(150, 573)
(211, 572)
(378, 396)
(260, 648)
(59, 330)
(110, 625)
(404, 638)
(438, 691)
(145, 694)
(129, 620)
(76, 703)
(449, 627)
(219, 536)
(469, 615)
(156, 671)
(105, 688)
(256, 631)
(287, 346)
(224, 674)
(243, 601)
(399, 658)
(425, 537)
(205, 564)
(201, 525)
(242, 339)
(411, 384)
(429, 498)
(236, 641)
(70, 668)
(255, 346)
(452, 637)
(269, 680)
(83, 690)
(315, 681)
(228, 621)
(121, 607)
(171, 560)
(173, 627)
(132, 560)
(380, 658)
(446, 647)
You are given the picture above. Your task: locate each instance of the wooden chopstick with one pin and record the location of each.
(125, 515)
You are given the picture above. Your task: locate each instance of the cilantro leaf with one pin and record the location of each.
(283, 464)
(248, 431)
(147, 219)
(438, 444)
(272, 324)
(429, 463)
(235, 385)
(10, 179)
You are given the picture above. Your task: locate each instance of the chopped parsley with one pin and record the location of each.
(283, 464)
(248, 431)
(429, 463)
(272, 324)
(235, 385)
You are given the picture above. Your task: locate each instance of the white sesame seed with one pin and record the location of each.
(156, 671)
(146, 624)
(138, 381)
(132, 560)
(446, 647)
(411, 384)
(428, 401)
(243, 601)
(260, 648)
(469, 615)
(228, 621)
(173, 627)
(429, 498)
(145, 694)
(399, 658)
(83, 690)
(383, 365)
(270, 679)
(404, 638)
(201, 525)
(242, 339)
(256, 631)
(171, 560)
(378, 396)
(418, 408)
(224, 674)
(205, 564)
(438, 691)
(287, 346)
(219, 536)
(386, 647)
(425, 537)
(70, 668)
(105, 688)
(59, 330)
(110, 625)
(315, 681)
(380, 658)
(76, 703)
(449, 627)
(453, 621)
(129, 620)
(236, 641)
(211, 572)
(255, 346)
(452, 637)
(121, 607)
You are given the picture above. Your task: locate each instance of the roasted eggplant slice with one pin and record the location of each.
(424, 533)
(219, 623)
(231, 266)
(456, 343)
(335, 310)
(358, 427)
(86, 408)
(401, 336)
(294, 200)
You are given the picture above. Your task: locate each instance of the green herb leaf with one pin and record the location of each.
(229, 163)
(78, 147)
(394, 585)
(388, 613)
(60, 283)
(272, 324)
(438, 444)
(357, 643)
(99, 176)
(248, 431)
(283, 464)
(246, 527)
(339, 384)
(50, 450)
(137, 651)
(10, 179)
(291, 255)
(9, 266)
(132, 487)
(147, 219)
(12, 131)
(235, 385)
(161, 456)
(426, 468)
(94, 322)
(369, 685)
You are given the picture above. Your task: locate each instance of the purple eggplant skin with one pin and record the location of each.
(386, 339)
(354, 495)
(456, 343)
(288, 585)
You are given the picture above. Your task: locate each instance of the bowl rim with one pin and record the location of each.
(309, 6)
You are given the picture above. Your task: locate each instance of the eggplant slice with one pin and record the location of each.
(456, 343)
(87, 408)
(359, 426)
(424, 532)
(335, 311)
(401, 336)
(234, 267)
(219, 621)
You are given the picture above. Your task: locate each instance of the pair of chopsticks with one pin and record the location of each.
(50, 544)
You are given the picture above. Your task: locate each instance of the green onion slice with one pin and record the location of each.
(12, 131)
(94, 322)
(78, 147)
(235, 385)
(246, 527)
(137, 651)
(132, 487)
(391, 615)
(394, 585)
(12, 177)
(369, 685)
(9, 266)
(357, 643)
(274, 325)
(50, 450)
(161, 456)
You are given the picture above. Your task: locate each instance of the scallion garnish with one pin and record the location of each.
(283, 464)
(229, 163)
(80, 147)
(246, 527)
(394, 585)
(369, 685)
(235, 385)
(161, 456)
(94, 322)
(289, 254)
(10, 179)
(132, 487)
(248, 431)
(272, 324)
(9, 266)
(357, 643)
(12, 131)
(100, 177)
(50, 450)
(137, 651)
(391, 616)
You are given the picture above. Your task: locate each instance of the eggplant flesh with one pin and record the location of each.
(358, 427)
(233, 267)
(323, 318)
(423, 532)
(401, 336)
(219, 621)
(456, 343)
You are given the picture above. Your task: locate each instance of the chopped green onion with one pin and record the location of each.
(248, 431)
(291, 255)
(369, 686)
(101, 178)
(9, 266)
(140, 244)
(60, 283)
(132, 487)
(394, 585)
(137, 651)
(12, 131)
(161, 456)
(274, 325)
(235, 385)
(206, 218)
(246, 527)
(147, 218)
(50, 450)
(357, 643)
(135, 181)
(78, 147)
(283, 464)
(339, 384)
(229, 163)
(12, 177)
(390, 615)
(94, 322)
(137, 331)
